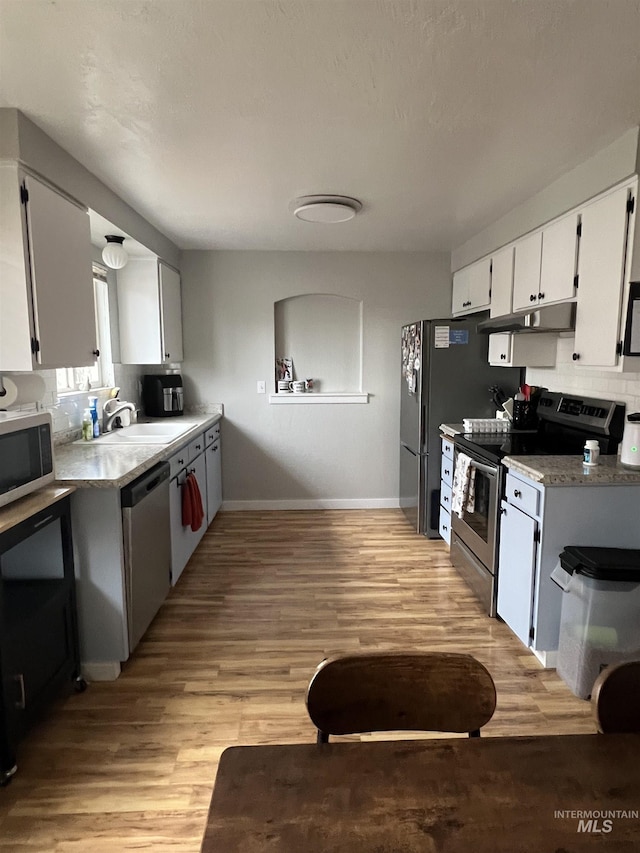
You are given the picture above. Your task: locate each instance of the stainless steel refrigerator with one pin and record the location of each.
(445, 377)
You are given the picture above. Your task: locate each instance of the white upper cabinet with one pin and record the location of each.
(559, 260)
(545, 265)
(171, 306)
(47, 311)
(472, 288)
(502, 282)
(507, 349)
(526, 272)
(601, 277)
(149, 313)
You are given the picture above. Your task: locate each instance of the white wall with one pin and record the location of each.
(607, 167)
(21, 139)
(303, 455)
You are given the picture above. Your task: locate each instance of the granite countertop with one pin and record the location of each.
(110, 466)
(570, 471)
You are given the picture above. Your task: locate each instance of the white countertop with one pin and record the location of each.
(115, 465)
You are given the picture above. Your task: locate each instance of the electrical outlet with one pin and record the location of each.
(262, 386)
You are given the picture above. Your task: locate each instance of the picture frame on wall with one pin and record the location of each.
(284, 369)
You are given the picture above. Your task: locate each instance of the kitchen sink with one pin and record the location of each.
(142, 434)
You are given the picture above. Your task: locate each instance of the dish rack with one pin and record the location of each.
(486, 425)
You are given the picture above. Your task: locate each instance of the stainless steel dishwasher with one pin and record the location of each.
(147, 548)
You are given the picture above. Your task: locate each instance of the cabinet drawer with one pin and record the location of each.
(522, 495)
(195, 447)
(447, 448)
(444, 527)
(445, 496)
(211, 435)
(446, 470)
(178, 461)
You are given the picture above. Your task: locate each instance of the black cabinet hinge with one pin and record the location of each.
(24, 194)
(631, 205)
(579, 229)
(35, 346)
(576, 281)
(619, 348)
(536, 535)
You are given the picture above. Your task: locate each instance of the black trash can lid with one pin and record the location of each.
(607, 564)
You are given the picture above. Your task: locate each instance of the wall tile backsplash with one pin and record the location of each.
(565, 376)
(66, 411)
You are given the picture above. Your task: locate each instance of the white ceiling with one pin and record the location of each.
(209, 117)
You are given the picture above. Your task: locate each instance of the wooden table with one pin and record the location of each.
(482, 795)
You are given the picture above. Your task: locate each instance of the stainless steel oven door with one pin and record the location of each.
(478, 528)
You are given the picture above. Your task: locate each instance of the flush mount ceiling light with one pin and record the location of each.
(114, 254)
(325, 208)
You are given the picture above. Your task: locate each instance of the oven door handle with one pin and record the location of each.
(486, 469)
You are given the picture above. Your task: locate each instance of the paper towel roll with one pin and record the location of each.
(22, 389)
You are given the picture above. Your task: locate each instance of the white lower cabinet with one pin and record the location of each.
(213, 456)
(536, 523)
(189, 460)
(446, 473)
(515, 581)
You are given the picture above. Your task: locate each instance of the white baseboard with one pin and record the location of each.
(323, 503)
(549, 660)
(100, 670)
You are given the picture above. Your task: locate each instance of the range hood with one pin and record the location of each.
(550, 318)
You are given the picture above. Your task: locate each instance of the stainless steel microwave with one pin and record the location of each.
(26, 454)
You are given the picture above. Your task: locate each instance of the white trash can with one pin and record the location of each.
(600, 619)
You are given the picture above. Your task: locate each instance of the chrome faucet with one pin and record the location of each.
(114, 412)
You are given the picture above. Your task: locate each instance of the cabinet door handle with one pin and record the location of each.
(167, 355)
(43, 521)
(575, 356)
(517, 493)
(532, 297)
(447, 471)
(444, 527)
(96, 352)
(198, 447)
(446, 500)
(503, 356)
(541, 296)
(503, 511)
(21, 704)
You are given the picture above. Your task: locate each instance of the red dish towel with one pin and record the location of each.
(197, 509)
(192, 509)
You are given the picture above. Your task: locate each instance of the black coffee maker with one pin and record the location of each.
(162, 395)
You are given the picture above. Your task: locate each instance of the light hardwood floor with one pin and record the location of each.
(130, 765)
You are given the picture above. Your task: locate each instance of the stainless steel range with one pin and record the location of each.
(565, 422)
